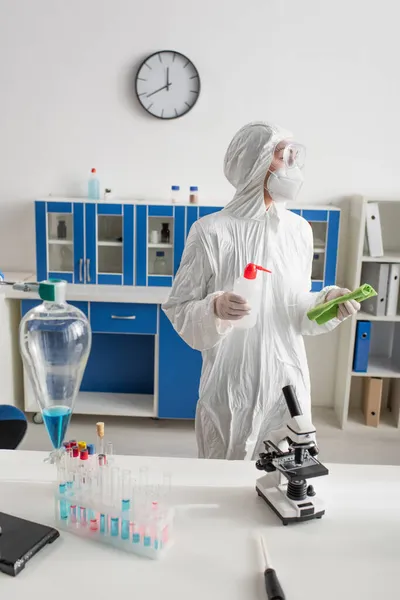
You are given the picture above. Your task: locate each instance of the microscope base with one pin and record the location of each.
(290, 511)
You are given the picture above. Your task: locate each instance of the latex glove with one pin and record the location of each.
(231, 307)
(347, 308)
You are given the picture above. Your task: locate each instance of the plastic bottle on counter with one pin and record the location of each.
(249, 287)
(93, 186)
(194, 194)
(175, 194)
(160, 265)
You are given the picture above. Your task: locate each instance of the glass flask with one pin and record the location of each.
(55, 342)
(160, 264)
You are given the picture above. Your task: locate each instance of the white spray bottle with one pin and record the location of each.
(249, 287)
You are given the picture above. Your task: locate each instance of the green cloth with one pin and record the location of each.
(327, 311)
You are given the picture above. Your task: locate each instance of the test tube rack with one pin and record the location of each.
(97, 500)
(103, 524)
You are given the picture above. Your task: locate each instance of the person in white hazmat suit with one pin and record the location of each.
(240, 398)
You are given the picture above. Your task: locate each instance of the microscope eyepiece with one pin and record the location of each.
(292, 401)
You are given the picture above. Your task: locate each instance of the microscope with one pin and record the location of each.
(289, 460)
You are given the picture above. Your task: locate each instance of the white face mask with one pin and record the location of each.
(283, 185)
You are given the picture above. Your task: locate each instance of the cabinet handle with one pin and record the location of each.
(131, 318)
(89, 279)
(81, 269)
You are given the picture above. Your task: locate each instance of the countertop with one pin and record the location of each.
(353, 553)
(91, 293)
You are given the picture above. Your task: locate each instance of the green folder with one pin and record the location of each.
(327, 311)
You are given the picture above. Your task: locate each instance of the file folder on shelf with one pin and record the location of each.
(372, 400)
(393, 290)
(377, 275)
(374, 230)
(361, 347)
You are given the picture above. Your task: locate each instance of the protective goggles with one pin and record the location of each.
(290, 155)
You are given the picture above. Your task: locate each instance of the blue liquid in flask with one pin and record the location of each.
(56, 419)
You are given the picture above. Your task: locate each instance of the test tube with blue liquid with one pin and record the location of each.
(104, 486)
(126, 504)
(116, 500)
(62, 488)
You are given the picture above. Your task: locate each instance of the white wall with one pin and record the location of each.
(326, 70)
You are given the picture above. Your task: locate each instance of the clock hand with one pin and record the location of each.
(168, 81)
(156, 91)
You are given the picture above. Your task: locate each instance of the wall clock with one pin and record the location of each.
(167, 84)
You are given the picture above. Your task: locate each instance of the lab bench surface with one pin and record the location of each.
(216, 554)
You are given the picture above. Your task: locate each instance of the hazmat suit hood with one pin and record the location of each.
(246, 164)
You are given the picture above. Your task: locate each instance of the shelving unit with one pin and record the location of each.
(384, 359)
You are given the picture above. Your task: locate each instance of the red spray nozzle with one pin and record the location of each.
(250, 271)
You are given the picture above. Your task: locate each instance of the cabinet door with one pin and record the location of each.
(109, 241)
(160, 245)
(332, 247)
(60, 241)
(325, 226)
(41, 240)
(318, 219)
(79, 243)
(90, 270)
(178, 374)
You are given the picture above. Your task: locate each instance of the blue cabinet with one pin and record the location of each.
(325, 225)
(87, 242)
(122, 244)
(178, 374)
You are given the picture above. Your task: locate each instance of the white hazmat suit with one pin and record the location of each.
(240, 398)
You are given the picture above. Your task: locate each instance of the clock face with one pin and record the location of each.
(167, 84)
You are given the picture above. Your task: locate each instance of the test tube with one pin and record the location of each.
(116, 499)
(147, 537)
(109, 453)
(63, 503)
(126, 503)
(82, 516)
(135, 533)
(100, 438)
(105, 487)
(158, 542)
(94, 526)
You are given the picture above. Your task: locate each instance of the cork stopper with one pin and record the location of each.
(100, 429)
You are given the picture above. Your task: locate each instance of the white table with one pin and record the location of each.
(353, 553)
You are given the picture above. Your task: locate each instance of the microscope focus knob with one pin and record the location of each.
(310, 491)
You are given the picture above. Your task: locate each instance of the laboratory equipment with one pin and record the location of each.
(100, 438)
(62, 230)
(100, 501)
(291, 456)
(55, 340)
(194, 194)
(175, 194)
(154, 237)
(165, 233)
(160, 264)
(249, 287)
(93, 186)
(272, 585)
